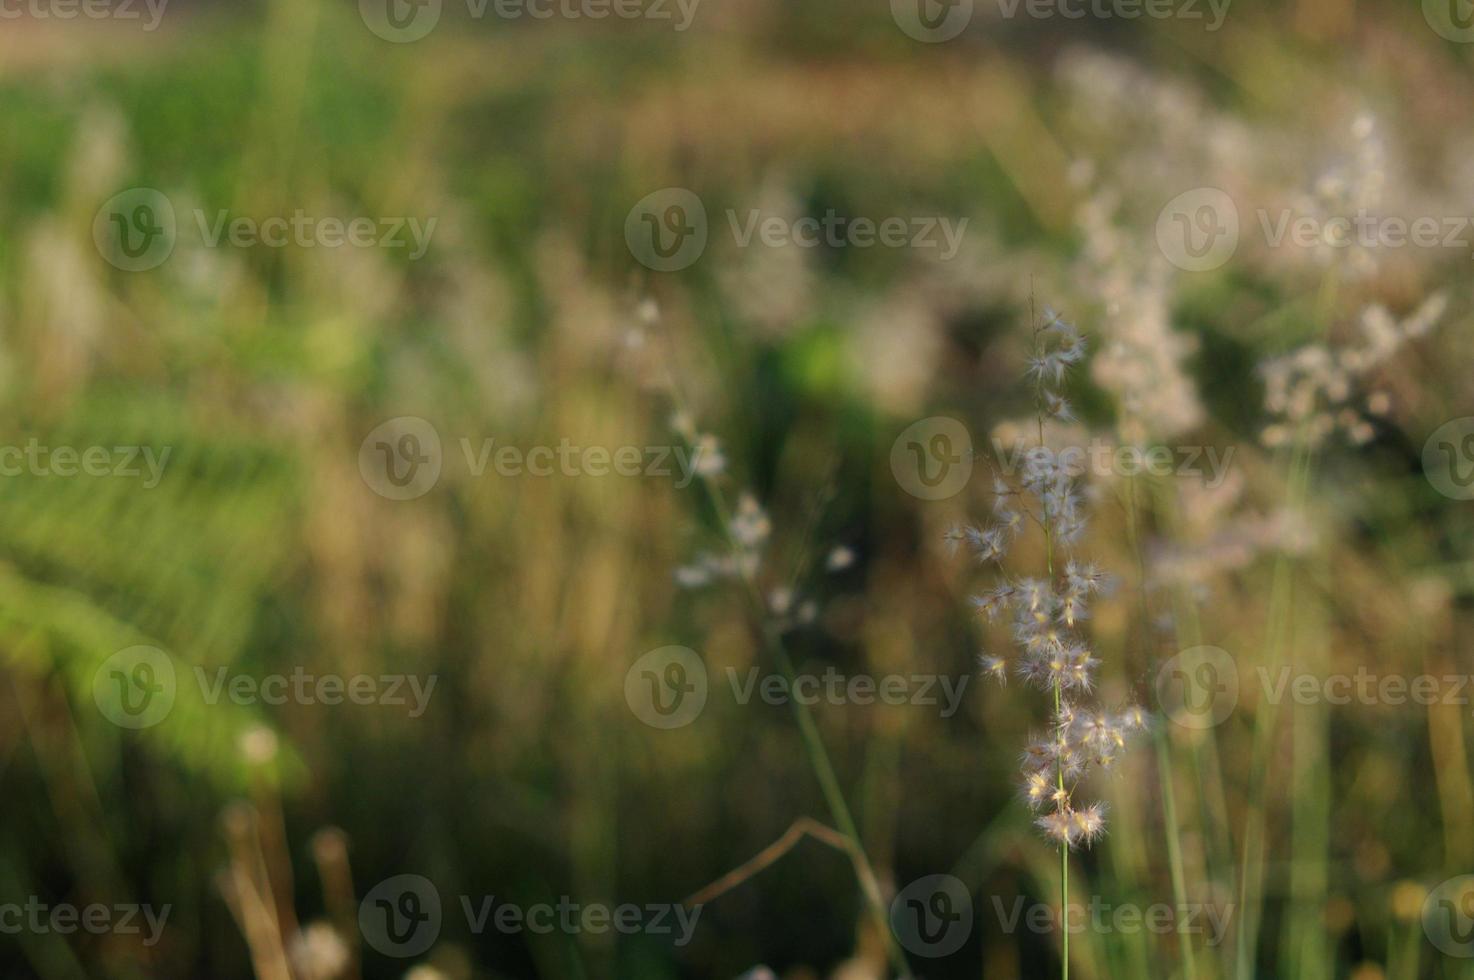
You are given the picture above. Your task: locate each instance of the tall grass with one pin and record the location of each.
(1326, 550)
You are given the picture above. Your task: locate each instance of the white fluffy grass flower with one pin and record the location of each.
(1044, 614)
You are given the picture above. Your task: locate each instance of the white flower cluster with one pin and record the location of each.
(749, 529)
(1045, 613)
(1313, 388)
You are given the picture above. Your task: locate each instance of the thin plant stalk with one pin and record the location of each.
(1164, 752)
(1251, 874)
(813, 742)
(1059, 770)
(1251, 878)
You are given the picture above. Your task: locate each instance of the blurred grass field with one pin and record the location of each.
(1318, 829)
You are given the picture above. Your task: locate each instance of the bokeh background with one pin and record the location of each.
(265, 547)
